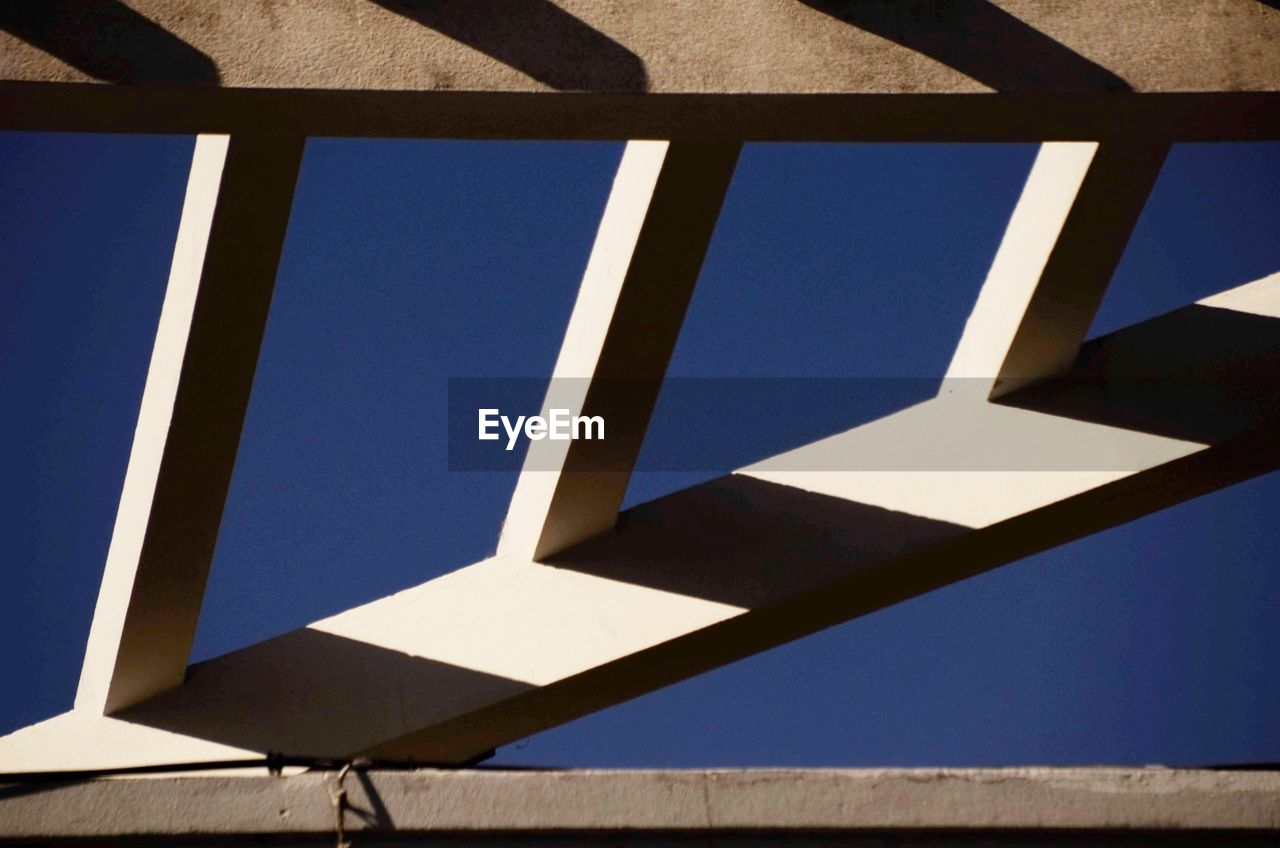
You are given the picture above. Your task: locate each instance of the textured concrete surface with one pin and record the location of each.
(1172, 70)
(656, 45)
(1069, 799)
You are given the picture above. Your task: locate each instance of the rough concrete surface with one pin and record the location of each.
(533, 802)
(720, 46)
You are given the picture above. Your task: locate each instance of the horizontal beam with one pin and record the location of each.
(1186, 117)
(936, 493)
(662, 46)
(1012, 806)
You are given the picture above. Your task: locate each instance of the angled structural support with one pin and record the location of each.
(568, 617)
(1062, 245)
(581, 608)
(643, 267)
(936, 493)
(193, 406)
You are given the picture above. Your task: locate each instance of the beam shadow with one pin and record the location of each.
(312, 693)
(978, 39)
(375, 814)
(535, 37)
(797, 561)
(1200, 373)
(751, 543)
(108, 41)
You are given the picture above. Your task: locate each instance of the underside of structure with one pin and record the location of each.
(582, 607)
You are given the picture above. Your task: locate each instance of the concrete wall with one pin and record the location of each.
(666, 46)
(875, 806)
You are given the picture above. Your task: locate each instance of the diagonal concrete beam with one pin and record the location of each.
(938, 492)
(1063, 243)
(193, 405)
(655, 231)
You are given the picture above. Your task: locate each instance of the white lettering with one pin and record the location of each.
(559, 427)
(486, 421)
(512, 432)
(587, 423)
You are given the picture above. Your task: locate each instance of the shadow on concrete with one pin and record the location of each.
(375, 815)
(750, 543)
(1200, 373)
(536, 38)
(108, 41)
(315, 694)
(978, 39)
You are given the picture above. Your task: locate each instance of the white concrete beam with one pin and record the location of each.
(1062, 245)
(867, 518)
(193, 405)
(648, 251)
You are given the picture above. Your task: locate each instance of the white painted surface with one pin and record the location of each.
(85, 739)
(152, 430)
(968, 462)
(504, 627)
(1046, 200)
(540, 623)
(589, 324)
(1261, 297)
(494, 631)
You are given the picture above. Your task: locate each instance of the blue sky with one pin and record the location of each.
(411, 262)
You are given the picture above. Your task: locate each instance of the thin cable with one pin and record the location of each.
(338, 797)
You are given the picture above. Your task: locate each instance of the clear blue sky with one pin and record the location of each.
(408, 263)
